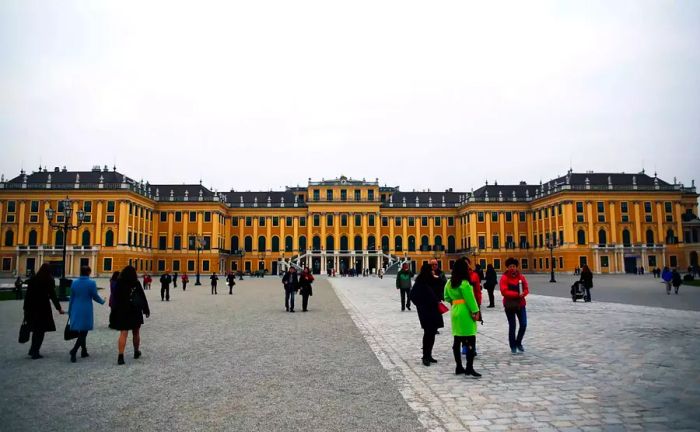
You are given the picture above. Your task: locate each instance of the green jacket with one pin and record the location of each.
(461, 314)
(403, 279)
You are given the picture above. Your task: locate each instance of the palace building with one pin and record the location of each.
(614, 222)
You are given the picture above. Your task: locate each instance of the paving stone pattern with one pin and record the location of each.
(210, 363)
(587, 367)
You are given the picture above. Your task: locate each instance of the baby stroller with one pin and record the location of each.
(578, 291)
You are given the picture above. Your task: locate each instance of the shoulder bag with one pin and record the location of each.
(24, 332)
(69, 334)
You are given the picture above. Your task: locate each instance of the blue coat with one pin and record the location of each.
(82, 292)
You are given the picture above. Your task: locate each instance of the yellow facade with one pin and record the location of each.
(345, 223)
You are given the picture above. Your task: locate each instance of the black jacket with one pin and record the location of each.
(290, 281)
(423, 296)
(165, 280)
(37, 304)
(587, 279)
(491, 279)
(437, 284)
(128, 306)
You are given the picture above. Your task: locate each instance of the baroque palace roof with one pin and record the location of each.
(104, 178)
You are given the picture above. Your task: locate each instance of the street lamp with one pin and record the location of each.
(64, 226)
(198, 245)
(551, 246)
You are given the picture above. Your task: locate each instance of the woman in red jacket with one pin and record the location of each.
(514, 290)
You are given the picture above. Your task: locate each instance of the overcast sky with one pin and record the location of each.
(262, 94)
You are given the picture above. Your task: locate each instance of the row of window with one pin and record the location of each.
(398, 244)
(624, 210)
(316, 193)
(192, 216)
(626, 237)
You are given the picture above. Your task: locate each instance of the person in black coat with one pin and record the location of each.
(165, 281)
(214, 279)
(305, 281)
(491, 282)
(587, 281)
(128, 307)
(231, 281)
(424, 298)
(290, 280)
(41, 292)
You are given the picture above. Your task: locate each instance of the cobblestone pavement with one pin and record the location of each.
(210, 363)
(587, 366)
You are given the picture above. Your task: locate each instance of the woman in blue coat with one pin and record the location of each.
(82, 292)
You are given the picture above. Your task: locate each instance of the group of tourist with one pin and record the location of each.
(127, 304)
(463, 292)
(293, 282)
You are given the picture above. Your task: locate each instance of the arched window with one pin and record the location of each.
(650, 237)
(385, 244)
(9, 238)
(316, 243)
(358, 243)
(581, 237)
(670, 236)
(302, 243)
(86, 238)
(288, 244)
(344, 243)
(234, 243)
(450, 244)
(109, 238)
(602, 237)
(330, 243)
(248, 243)
(32, 238)
(398, 244)
(371, 243)
(275, 244)
(424, 243)
(626, 238)
(438, 242)
(59, 238)
(262, 243)
(411, 244)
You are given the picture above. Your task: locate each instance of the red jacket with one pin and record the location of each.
(509, 279)
(475, 281)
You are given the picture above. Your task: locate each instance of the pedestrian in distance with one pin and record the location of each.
(290, 281)
(147, 280)
(490, 283)
(231, 281)
(112, 286)
(175, 280)
(587, 281)
(403, 284)
(214, 279)
(423, 296)
(18, 288)
(464, 316)
(41, 292)
(676, 280)
(305, 289)
(129, 306)
(185, 280)
(514, 289)
(667, 277)
(165, 280)
(83, 291)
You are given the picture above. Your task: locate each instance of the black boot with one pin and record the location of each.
(458, 360)
(84, 353)
(470, 364)
(137, 353)
(72, 355)
(120, 359)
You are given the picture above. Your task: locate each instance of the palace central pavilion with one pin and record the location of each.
(614, 222)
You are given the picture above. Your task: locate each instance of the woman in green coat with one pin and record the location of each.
(464, 314)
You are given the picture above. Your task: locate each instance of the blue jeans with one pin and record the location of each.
(289, 299)
(522, 318)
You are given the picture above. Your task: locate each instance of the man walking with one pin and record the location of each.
(291, 285)
(175, 280)
(231, 281)
(214, 278)
(165, 281)
(403, 284)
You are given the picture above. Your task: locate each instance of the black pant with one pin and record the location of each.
(304, 301)
(165, 292)
(184, 286)
(470, 343)
(405, 299)
(230, 288)
(213, 288)
(80, 342)
(490, 291)
(37, 340)
(428, 342)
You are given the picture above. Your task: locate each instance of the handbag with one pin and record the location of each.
(24, 332)
(136, 300)
(69, 334)
(442, 308)
(512, 304)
